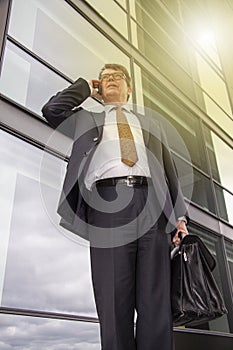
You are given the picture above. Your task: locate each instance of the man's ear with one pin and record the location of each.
(129, 92)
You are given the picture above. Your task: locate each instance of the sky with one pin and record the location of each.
(45, 268)
(30, 333)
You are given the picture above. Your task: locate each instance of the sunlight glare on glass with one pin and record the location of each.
(206, 38)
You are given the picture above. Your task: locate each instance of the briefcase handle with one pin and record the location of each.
(205, 253)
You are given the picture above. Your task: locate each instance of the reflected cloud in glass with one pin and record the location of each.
(44, 270)
(30, 333)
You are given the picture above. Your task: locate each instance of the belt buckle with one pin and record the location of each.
(130, 181)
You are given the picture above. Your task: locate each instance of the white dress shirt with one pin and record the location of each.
(106, 161)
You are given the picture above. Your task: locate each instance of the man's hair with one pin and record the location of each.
(116, 66)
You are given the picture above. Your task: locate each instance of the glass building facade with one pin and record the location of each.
(179, 54)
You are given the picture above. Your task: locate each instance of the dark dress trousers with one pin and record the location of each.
(134, 274)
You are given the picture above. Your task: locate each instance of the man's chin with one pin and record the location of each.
(111, 98)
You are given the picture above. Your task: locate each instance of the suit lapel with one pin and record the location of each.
(145, 126)
(99, 122)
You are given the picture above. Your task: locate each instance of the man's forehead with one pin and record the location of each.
(110, 70)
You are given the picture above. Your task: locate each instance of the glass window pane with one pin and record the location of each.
(27, 333)
(229, 251)
(154, 24)
(186, 125)
(110, 11)
(202, 192)
(186, 177)
(26, 81)
(165, 60)
(218, 115)
(195, 185)
(213, 84)
(220, 155)
(199, 28)
(225, 204)
(43, 267)
(154, 18)
(218, 106)
(62, 37)
(160, 39)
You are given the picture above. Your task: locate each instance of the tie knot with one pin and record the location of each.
(121, 117)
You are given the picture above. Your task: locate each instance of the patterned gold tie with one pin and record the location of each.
(127, 145)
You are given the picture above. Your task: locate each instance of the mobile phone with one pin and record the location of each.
(99, 88)
(97, 85)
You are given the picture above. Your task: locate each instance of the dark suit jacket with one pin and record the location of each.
(63, 113)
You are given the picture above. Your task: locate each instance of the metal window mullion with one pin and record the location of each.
(33, 142)
(47, 314)
(5, 8)
(209, 168)
(226, 279)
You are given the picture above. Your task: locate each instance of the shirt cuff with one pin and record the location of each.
(183, 218)
(91, 88)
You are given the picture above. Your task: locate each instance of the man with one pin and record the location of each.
(121, 191)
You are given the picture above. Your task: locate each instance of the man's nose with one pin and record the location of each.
(111, 77)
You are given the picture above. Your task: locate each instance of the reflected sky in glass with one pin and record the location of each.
(43, 269)
(31, 333)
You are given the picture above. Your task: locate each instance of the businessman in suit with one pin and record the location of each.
(121, 192)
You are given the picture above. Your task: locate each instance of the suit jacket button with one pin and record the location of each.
(95, 139)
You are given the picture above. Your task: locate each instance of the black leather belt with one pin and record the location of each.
(129, 181)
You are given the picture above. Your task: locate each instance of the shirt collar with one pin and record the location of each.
(110, 107)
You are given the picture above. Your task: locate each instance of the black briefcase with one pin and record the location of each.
(195, 296)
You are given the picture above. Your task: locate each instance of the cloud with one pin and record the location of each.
(45, 270)
(29, 333)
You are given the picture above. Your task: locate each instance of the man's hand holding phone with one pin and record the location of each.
(96, 89)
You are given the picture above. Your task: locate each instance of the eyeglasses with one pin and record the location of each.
(115, 76)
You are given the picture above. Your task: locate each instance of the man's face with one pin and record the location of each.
(114, 88)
